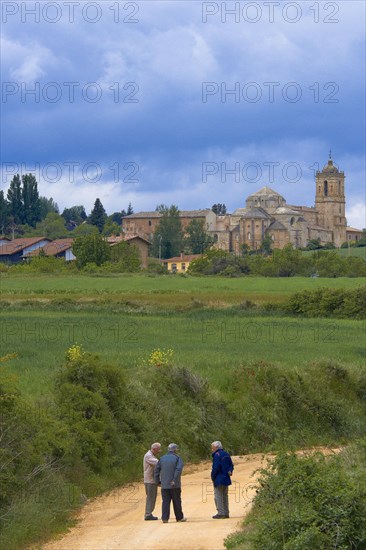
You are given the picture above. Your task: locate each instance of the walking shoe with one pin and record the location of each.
(165, 520)
(150, 517)
(218, 516)
(226, 516)
(183, 519)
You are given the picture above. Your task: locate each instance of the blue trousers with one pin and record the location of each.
(167, 496)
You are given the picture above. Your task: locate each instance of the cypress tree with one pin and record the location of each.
(15, 202)
(98, 216)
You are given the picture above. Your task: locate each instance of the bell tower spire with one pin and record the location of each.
(330, 201)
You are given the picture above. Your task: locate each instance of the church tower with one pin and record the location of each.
(330, 201)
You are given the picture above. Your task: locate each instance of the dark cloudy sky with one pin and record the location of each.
(183, 102)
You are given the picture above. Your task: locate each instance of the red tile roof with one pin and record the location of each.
(17, 245)
(52, 249)
(184, 258)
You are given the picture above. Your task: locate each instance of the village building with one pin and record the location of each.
(15, 250)
(266, 213)
(59, 248)
(141, 243)
(23, 249)
(179, 264)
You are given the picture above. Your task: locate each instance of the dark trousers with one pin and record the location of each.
(175, 495)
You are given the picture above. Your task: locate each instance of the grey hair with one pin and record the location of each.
(217, 444)
(155, 446)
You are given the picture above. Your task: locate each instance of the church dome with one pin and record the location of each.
(330, 168)
(266, 192)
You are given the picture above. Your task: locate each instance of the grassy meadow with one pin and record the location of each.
(123, 318)
(164, 292)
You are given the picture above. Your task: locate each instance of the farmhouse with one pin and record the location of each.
(266, 213)
(18, 250)
(13, 251)
(180, 264)
(59, 248)
(141, 244)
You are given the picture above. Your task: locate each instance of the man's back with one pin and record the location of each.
(169, 468)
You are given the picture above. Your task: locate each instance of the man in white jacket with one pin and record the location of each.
(151, 488)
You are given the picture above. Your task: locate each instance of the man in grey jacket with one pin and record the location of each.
(168, 472)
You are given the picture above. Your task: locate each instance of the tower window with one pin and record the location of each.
(325, 188)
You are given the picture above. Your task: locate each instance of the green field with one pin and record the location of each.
(123, 318)
(159, 292)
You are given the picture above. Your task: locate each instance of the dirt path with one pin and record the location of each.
(115, 521)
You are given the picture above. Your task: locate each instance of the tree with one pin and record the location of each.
(52, 227)
(285, 262)
(23, 199)
(117, 217)
(15, 202)
(168, 236)
(91, 249)
(47, 206)
(111, 228)
(266, 246)
(84, 229)
(98, 215)
(219, 209)
(127, 256)
(4, 214)
(129, 209)
(75, 214)
(30, 197)
(313, 244)
(197, 240)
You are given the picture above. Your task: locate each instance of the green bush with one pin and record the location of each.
(326, 302)
(308, 502)
(95, 403)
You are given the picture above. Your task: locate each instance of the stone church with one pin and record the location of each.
(266, 213)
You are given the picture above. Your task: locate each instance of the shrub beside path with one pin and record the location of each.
(115, 521)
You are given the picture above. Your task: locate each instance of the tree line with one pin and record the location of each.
(24, 213)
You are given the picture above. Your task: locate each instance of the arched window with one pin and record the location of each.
(292, 221)
(339, 187)
(325, 188)
(216, 238)
(249, 235)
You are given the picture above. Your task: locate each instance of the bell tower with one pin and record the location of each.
(330, 201)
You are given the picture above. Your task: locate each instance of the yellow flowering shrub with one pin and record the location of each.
(160, 358)
(75, 353)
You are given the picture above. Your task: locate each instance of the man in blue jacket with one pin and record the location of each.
(167, 473)
(222, 469)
